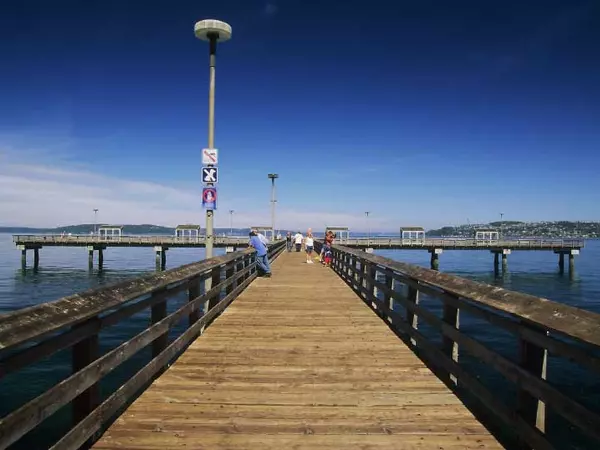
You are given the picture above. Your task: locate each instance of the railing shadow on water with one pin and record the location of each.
(69, 367)
(525, 366)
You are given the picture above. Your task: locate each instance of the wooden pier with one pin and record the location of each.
(499, 248)
(99, 243)
(314, 357)
(286, 366)
(385, 243)
(85, 240)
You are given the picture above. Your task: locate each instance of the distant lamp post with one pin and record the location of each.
(231, 211)
(212, 31)
(368, 228)
(95, 220)
(273, 177)
(501, 225)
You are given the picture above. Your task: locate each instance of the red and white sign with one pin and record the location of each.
(210, 156)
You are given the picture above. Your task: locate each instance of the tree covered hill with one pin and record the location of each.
(555, 229)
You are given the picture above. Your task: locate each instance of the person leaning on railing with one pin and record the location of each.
(262, 257)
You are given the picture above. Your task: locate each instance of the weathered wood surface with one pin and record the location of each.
(297, 361)
(572, 322)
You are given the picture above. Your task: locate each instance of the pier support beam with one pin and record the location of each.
(100, 249)
(561, 260)
(36, 255)
(504, 252)
(435, 258)
(161, 257)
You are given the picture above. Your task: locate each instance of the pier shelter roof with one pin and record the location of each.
(188, 226)
(412, 229)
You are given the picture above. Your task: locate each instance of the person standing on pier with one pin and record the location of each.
(308, 246)
(298, 238)
(288, 241)
(326, 252)
(262, 258)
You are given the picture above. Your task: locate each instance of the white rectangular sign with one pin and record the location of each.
(210, 156)
(210, 174)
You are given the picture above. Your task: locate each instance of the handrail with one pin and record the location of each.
(468, 243)
(95, 239)
(76, 321)
(541, 326)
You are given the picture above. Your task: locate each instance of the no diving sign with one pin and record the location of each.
(210, 156)
(210, 174)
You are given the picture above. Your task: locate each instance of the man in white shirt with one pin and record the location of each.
(298, 240)
(263, 238)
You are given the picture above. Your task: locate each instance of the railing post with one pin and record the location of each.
(361, 278)
(193, 293)
(157, 313)
(533, 359)
(238, 269)
(229, 273)
(388, 298)
(84, 353)
(216, 279)
(412, 318)
(449, 347)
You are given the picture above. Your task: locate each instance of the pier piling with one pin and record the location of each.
(435, 258)
(161, 257)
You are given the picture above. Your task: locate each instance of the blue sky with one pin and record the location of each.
(423, 113)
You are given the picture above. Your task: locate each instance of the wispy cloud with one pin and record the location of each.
(54, 194)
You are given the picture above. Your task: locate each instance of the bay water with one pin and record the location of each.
(64, 271)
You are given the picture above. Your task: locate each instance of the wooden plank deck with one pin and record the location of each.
(298, 361)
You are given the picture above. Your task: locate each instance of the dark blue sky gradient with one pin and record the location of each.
(423, 112)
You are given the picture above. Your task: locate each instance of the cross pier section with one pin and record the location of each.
(354, 357)
(499, 248)
(99, 244)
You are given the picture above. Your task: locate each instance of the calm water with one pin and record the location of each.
(64, 271)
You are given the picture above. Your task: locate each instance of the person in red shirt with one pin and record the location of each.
(326, 253)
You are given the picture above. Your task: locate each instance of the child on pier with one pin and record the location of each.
(326, 253)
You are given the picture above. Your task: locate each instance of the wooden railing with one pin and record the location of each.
(539, 327)
(88, 239)
(465, 243)
(32, 334)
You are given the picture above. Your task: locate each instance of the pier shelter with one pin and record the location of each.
(416, 234)
(342, 234)
(110, 231)
(487, 234)
(188, 230)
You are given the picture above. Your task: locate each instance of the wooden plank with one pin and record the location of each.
(288, 365)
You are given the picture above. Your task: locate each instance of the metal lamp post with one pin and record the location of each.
(368, 228)
(212, 31)
(231, 211)
(273, 177)
(501, 225)
(95, 221)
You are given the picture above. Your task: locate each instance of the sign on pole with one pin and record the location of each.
(209, 198)
(210, 156)
(210, 174)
